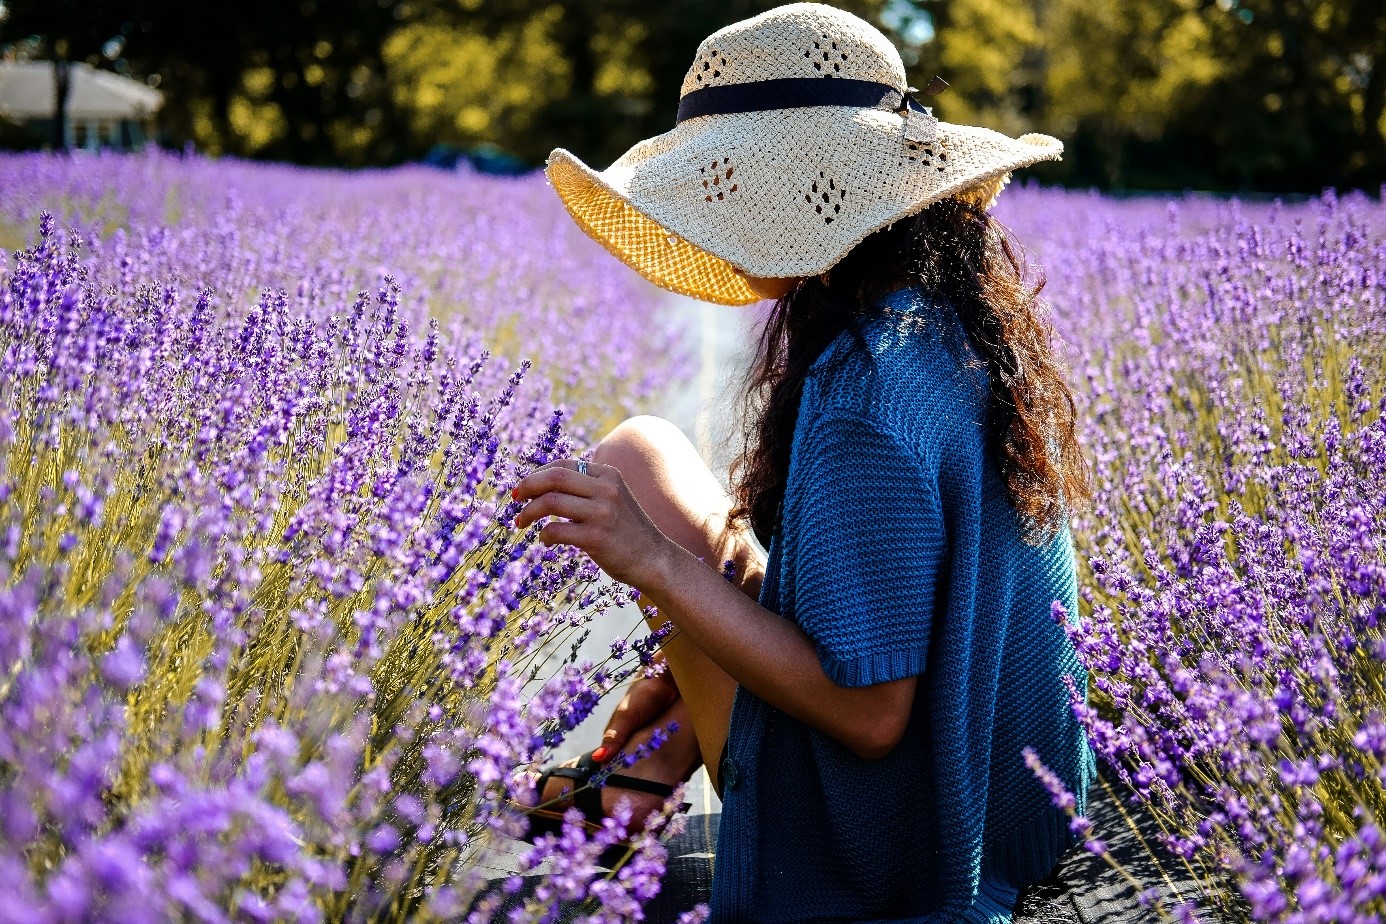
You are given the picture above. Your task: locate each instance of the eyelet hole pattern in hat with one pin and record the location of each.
(717, 180)
(826, 197)
(832, 57)
(918, 152)
(712, 67)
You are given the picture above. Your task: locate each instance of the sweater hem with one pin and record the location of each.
(878, 667)
(1026, 855)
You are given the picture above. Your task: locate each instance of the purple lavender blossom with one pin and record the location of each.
(1226, 364)
(269, 646)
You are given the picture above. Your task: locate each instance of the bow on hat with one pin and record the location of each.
(920, 124)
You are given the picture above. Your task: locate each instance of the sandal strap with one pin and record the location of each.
(572, 773)
(623, 781)
(543, 783)
(634, 782)
(588, 799)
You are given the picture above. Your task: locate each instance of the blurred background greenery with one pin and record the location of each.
(1266, 95)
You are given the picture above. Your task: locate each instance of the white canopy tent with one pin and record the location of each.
(102, 107)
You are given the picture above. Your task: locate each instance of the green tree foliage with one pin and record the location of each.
(301, 80)
(1122, 80)
(600, 74)
(1302, 96)
(1231, 94)
(463, 87)
(989, 52)
(1278, 95)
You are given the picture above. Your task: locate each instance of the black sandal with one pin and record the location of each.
(588, 799)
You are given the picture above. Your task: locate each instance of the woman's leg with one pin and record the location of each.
(687, 502)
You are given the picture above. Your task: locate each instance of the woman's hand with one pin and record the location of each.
(645, 700)
(603, 518)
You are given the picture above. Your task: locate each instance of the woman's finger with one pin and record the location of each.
(554, 503)
(599, 469)
(561, 533)
(558, 475)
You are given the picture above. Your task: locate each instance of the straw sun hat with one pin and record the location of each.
(796, 138)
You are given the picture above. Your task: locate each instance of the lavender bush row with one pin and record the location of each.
(1228, 359)
(269, 641)
(494, 260)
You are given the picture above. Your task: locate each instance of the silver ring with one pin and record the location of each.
(582, 466)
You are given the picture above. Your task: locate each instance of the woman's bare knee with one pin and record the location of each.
(675, 487)
(640, 446)
(664, 472)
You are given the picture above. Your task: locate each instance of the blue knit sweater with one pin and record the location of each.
(899, 554)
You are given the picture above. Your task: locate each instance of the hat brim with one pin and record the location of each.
(647, 247)
(777, 193)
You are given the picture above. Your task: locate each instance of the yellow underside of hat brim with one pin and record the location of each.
(640, 242)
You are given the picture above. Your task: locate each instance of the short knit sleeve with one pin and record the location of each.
(870, 542)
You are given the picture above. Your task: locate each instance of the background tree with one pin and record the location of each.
(1275, 95)
(594, 76)
(1119, 80)
(989, 51)
(302, 80)
(1300, 100)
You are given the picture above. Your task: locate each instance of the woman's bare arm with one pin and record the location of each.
(761, 650)
(771, 656)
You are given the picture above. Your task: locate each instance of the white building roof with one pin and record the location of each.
(28, 91)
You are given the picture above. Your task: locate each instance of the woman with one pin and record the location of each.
(861, 696)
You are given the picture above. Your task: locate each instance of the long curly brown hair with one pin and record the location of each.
(966, 259)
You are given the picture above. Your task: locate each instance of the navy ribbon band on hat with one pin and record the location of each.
(794, 93)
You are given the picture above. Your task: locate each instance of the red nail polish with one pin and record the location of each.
(600, 754)
(514, 493)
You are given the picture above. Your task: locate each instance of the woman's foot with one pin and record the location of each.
(673, 762)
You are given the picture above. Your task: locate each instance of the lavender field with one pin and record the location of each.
(270, 643)
(1227, 360)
